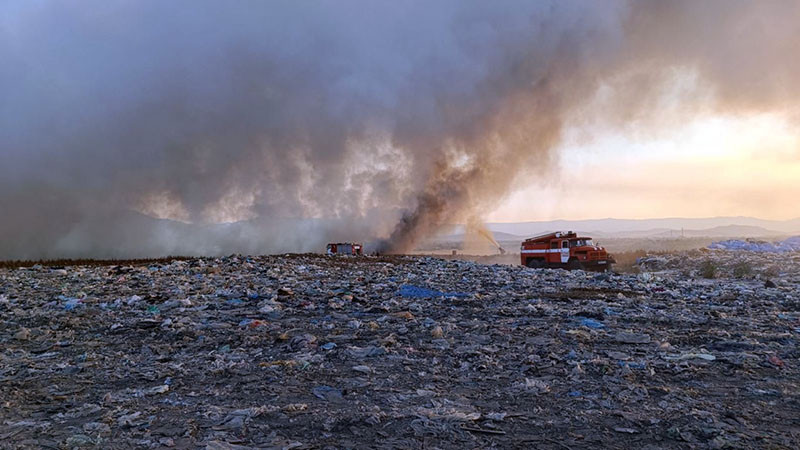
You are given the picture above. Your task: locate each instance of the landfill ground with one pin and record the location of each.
(311, 351)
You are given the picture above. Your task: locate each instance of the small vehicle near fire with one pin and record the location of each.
(345, 248)
(564, 250)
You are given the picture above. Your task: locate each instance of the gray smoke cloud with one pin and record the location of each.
(304, 122)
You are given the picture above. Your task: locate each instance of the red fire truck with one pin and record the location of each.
(345, 248)
(564, 250)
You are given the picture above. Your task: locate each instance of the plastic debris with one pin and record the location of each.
(591, 323)
(410, 291)
(305, 351)
(327, 393)
(685, 356)
(632, 338)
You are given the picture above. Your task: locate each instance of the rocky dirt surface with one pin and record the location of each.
(307, 351)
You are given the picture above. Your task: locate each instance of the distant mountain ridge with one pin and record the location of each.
(666, 227)
(459, 236)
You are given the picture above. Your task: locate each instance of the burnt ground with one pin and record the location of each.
(309, 351)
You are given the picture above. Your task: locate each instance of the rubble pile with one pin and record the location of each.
(707, 263)
(307, 351)
(791, 244)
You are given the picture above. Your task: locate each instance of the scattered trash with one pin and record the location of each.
(774, 360)
(496, 416)
(632, 365)
(620, 356)
(72, 303)
(482, 430)
(158, 390)
(686, 356)
(752, 245)
(128, 419)
(591, 323)
(632, 338)
(23, 334)
(362, 369)
(311, 351)
(766, 266)
(327, 393)
(410, 291)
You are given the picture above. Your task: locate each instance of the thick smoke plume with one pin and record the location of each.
(308, 121)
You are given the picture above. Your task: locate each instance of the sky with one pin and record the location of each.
(144, 127)
(709, 167)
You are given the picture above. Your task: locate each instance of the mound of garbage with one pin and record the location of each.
(311, 351)
(718, 263)
(751, 245)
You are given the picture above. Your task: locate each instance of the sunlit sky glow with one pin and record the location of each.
(717, 166)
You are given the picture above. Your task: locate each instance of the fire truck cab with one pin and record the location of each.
(564, 250)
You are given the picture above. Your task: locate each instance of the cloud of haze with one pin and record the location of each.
(310, 121)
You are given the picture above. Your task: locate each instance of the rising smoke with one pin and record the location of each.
(309, 121)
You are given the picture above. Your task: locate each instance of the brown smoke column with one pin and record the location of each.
(658, 37)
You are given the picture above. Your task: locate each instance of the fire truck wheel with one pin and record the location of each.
(534, 263)
(574, 264)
